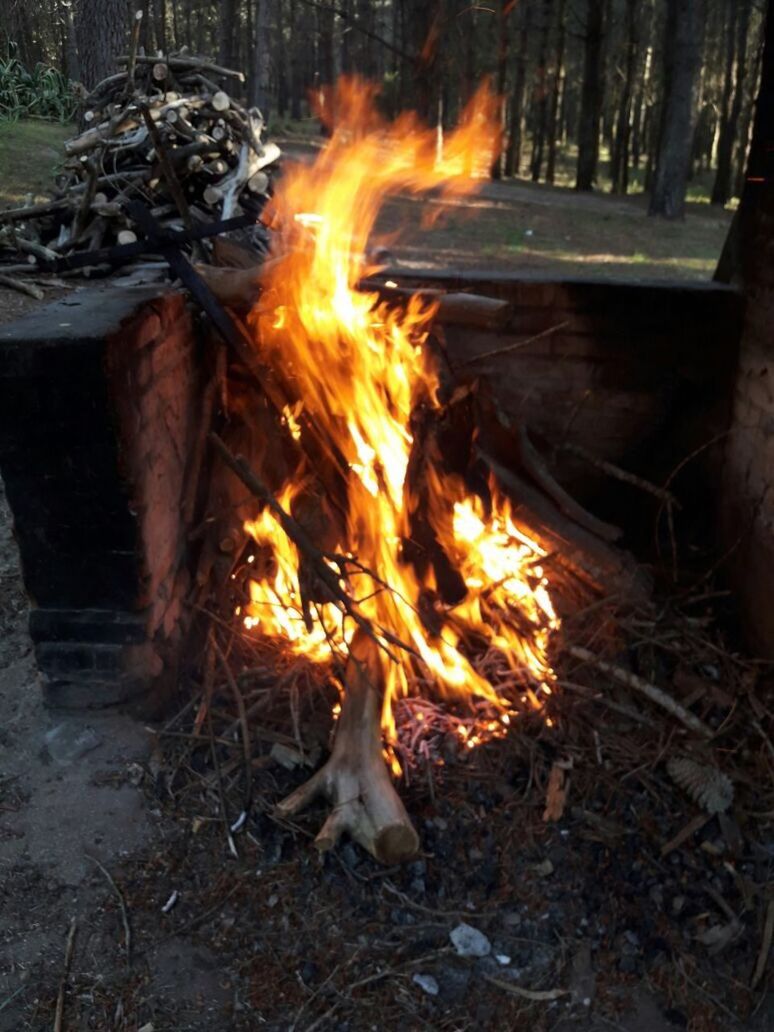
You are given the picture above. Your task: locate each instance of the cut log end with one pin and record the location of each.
(396, 844)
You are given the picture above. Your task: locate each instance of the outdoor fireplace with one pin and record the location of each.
(102, 402)
(379, 474)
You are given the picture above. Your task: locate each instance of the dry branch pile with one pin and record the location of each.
(164, 131)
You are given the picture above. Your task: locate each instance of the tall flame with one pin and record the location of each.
(357, 367)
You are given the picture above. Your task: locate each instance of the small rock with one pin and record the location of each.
(285, 756)
(677, 904)
(502, 958)
(426, 983)
(543, 869)
(67, 743)
(469, 942)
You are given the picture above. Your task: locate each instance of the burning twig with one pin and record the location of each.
(651, 691)
(319, 560)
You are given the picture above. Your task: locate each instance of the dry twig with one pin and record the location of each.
(763, 954)
(68, 958)
(122, 905)
(650, 691)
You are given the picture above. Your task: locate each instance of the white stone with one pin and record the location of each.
(469, 942)
(426, 983)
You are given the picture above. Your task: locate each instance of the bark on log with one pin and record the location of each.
(355, 779)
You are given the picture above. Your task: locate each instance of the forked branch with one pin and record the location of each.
(355, 779)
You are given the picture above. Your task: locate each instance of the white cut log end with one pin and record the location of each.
(258, 183)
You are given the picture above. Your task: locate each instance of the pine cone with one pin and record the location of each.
(707, 786)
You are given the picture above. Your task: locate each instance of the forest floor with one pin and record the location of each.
(518, 225)
(632, 911)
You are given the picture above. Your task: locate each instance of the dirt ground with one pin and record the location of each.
(585, 923)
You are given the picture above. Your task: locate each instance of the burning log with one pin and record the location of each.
(355, 779)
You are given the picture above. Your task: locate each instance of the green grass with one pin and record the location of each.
(30, 152)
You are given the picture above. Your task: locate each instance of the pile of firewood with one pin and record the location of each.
(165, 132)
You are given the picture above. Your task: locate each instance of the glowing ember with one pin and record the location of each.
(360, 367)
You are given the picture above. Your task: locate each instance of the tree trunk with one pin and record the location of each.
(72, 60)
(741, 260)
(516, 119)
(591, 96)
(101, 30)
(346, 37)
(747, 509)
(682, 55)
(556, 93)
(619, 165)
(260, 83)
(326, 58)
(365, 64)
(721, 190)
(175, 41)
(422, 24)
(160, 10)
(496, 170)
(541, 95)
(228, 15)
(641, 98)
(748, 111)
(298, 43)
(189, 36)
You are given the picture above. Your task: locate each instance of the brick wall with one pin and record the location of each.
(99, 399)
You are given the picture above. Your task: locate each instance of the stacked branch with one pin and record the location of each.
(164, 131)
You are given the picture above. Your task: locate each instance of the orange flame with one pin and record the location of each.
(359, 366)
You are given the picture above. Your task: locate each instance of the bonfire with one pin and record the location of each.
(405, 532)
